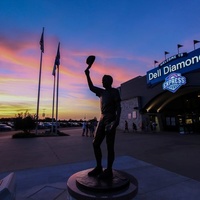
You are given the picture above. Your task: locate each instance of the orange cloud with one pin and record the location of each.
(20, 71)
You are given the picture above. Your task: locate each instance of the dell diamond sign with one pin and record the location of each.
(180, 63)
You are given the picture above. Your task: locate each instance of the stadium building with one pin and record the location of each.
(167, 98)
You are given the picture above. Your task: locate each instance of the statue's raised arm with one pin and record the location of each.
(90, 60)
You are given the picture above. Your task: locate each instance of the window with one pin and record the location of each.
(170, 121)
(134, 114)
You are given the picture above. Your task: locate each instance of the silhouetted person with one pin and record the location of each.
(154, 126)
(134, 127)
(84, 128)
(91, 127)
(109, 120)
(126, 127)
(87, 128)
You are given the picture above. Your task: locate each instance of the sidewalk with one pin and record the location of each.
(159, 162)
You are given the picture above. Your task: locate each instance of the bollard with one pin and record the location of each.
(8, 187)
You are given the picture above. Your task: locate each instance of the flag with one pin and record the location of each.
(57, 60)
(42, 41)
(179, 45)
(195, 41)
(54, 69)
(155, 61)
(166, 52)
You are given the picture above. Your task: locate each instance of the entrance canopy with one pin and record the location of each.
(173, 101)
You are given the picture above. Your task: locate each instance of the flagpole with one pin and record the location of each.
(38, 99)
(56, 64)
(39, 84)
(57, 91)
(54, 83)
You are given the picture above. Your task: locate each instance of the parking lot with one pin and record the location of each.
(171, 151)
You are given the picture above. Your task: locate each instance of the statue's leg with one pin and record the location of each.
(98, 139)
(99, 136)
(110, 141)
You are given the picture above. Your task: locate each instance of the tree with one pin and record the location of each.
(25, 121)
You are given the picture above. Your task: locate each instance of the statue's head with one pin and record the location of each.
(107, 81)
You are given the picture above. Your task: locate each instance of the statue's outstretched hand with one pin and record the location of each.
(116, 124)
(113, 125)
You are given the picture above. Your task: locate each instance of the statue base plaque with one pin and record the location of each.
(121, 186)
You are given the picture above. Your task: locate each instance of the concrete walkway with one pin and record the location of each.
(165, 165)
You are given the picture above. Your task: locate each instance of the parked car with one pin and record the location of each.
(4, 127)
(47, 125)
(40, 125)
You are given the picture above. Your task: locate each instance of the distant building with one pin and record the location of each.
(167, 98)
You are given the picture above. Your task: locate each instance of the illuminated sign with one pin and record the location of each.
(180, 63)
(173, 82)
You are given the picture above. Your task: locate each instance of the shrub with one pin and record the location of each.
(25, 122)
(24, 135)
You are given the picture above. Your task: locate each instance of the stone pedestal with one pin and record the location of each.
(122, 186)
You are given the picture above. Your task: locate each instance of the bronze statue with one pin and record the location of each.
(109, 120)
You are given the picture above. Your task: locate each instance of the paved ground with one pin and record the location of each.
(165, 152)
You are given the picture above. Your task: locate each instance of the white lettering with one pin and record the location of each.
(155, 74)
(188, 62)
(195, 58)
(166, 70)
(180, 65)
(173, 68)
(159, 72)
(150, 76)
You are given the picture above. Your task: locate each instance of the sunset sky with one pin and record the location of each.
(126, 36)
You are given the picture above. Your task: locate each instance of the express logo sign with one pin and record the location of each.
(173, 82)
